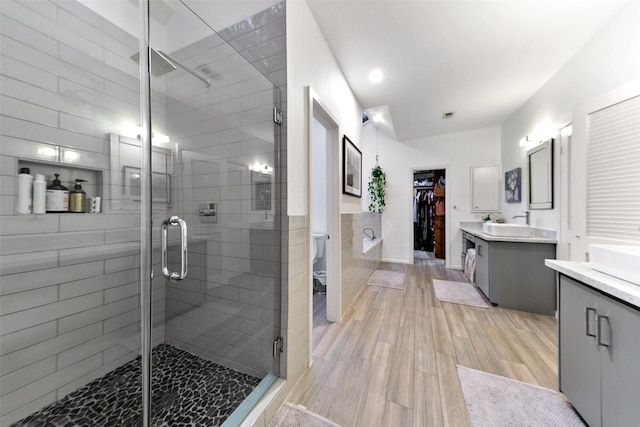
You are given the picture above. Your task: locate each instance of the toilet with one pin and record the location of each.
(319, 276)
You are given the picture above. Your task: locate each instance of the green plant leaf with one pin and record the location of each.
(376, 187)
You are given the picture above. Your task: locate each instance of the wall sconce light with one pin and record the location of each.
(159, 138)
(526, 141)
(50, 152)
(71, 156)
(133, 131)
(538, 137)
(130, 130)
(262, 168)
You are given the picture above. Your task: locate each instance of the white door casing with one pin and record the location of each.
(318, 110)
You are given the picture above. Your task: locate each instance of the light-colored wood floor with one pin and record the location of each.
(392, 361)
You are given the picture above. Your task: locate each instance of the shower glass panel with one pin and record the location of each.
(70, 283)
(214, 110)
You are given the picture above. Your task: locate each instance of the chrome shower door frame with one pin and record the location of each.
(146, 211)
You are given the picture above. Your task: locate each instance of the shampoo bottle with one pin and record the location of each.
(39, 194)
(25, 181)
(78, 198)
(57, 197)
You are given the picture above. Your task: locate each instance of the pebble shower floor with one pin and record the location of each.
(186, 391)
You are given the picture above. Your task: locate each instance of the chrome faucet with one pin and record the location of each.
(526, 215)
(373, 233)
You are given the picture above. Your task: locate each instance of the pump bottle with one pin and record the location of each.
(57, 199)
(78, 198)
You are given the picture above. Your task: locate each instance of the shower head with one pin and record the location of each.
(160, 64)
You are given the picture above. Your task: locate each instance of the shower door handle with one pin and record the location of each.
(174, 276)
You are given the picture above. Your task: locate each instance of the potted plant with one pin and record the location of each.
(376, 188)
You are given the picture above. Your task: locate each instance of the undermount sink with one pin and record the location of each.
(506, 230)
(617, 261)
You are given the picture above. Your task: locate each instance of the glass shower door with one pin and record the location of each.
(215, 235)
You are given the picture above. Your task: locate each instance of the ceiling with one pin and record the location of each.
(481, 59)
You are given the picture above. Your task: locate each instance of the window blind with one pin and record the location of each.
(613, 172)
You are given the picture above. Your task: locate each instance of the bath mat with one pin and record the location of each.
(458, 293)
(387, 279)
(493, 400)
(290, 415)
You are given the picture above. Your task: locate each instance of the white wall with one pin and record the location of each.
(610, 59)
(310, 62)
(456, 152)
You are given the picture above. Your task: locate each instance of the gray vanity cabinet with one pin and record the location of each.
(512, 274)
(579, 356)
(599, 355)
(482, 266)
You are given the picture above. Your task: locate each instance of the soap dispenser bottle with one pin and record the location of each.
(77, 198)
(57, 198)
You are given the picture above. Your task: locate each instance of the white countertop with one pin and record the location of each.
(539, 235)
(582, 271)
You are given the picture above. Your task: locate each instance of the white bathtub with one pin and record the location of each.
(368, 244)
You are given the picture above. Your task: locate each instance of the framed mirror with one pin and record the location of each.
(540, 162)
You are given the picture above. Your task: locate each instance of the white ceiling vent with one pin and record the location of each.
(448, 115)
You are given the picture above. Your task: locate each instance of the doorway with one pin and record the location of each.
(319, 226)
(324, 218)
(429, 213)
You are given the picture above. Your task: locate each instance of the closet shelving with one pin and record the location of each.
(428, 214)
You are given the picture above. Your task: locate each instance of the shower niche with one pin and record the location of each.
(67, 174)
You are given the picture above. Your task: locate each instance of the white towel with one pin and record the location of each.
(470, 265)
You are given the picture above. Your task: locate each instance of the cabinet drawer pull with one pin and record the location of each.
(599, 330)
(587, 321)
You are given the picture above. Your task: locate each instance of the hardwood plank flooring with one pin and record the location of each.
(392, 361)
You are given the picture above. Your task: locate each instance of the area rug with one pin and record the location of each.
(290, 415)
(497, 401)
(458, 293)
(387, 279)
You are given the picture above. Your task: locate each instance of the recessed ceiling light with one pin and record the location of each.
(376, 76)
(448, 115)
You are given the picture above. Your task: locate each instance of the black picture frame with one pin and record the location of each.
(351, 169)
(513, 186)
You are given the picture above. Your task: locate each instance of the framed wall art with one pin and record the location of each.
(351, 169)
(513, 186)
